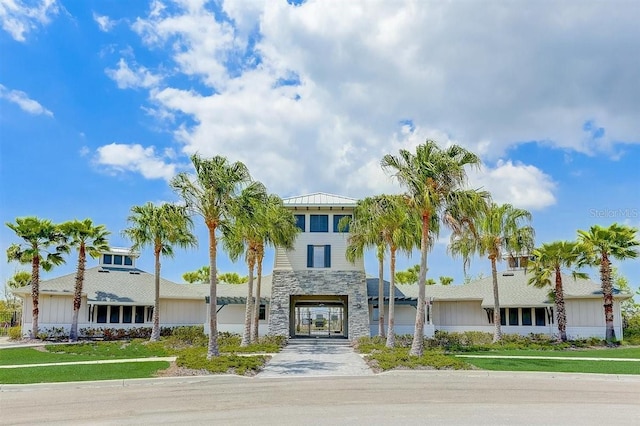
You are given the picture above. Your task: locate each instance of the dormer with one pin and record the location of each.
(517, 261)
(118, 257)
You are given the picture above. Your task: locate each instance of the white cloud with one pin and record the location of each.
(25, 103)
(135, 158)
(105, 23)
(125, 77)
(19, 17)
(524, 186)
(485, 75)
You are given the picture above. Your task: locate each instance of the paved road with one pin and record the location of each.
(402, 398)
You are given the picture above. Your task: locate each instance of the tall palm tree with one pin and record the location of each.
(88, 239)
(210, 194)
(242, 238)
(550, 259)
(495, 230)
(598, 246)
(434, 179)
(43, 247)
(160, 227)
(364, 234)
(278, 230)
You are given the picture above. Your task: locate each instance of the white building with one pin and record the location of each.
(315, 291)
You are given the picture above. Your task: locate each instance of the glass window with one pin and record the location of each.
(336, 220)
(107, 259)
(117, 259)
(503, 316)
(263, 312)
(150, 314)
(139, 314)
(126, 314)
(114, 314)
(102, 314)
(318, 256)
(128, 260)
(319, 223)
(300, 222)
(526, 316)
(513, 316)
(540, 316)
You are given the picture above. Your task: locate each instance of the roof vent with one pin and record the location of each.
(103, 270)
(134, 272)
(507, 274)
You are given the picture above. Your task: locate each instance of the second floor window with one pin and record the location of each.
(318, 223)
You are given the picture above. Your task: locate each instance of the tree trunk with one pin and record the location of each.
(213, 350)
(497, 333)
(155, 331)
(561, 313)
(77, 294)
(417, 346)
(607, 293)
(248, 307)
(391, 332)
(381, 296)
(256, 313)
(35, 292)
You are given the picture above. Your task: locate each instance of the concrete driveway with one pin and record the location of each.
(315, 358)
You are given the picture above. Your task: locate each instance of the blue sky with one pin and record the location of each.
(102, 102)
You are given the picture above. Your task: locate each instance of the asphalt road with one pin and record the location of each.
(403, 398)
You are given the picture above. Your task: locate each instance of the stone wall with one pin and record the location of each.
(319, 282)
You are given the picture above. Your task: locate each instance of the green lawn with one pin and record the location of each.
(71, 373)
(81, 352)
(633, 352)
(552, 365)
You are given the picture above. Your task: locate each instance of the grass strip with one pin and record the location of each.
(555, 365)
(582, 353)
(72, 373)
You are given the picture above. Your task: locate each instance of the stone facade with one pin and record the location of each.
(319, 282)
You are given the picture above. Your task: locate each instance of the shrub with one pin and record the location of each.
(196, 358)
(194, 336)
(387, 359)
(15, 333)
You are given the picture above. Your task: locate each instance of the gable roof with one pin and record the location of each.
(103, 285)
(513, 286)
(319, 199)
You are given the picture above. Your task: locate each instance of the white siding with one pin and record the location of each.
(296, 258)
(587, 313)
(459, 314)
(182, 311)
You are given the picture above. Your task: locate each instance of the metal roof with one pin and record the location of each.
(320, 199)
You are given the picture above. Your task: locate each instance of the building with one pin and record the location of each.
(314, 291)
(315, 276)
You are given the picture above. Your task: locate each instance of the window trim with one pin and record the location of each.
(310, 256)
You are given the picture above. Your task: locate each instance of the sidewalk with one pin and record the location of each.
(315, 358)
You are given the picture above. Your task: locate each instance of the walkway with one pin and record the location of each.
(315, 358)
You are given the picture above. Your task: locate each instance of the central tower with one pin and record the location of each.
(315, 279)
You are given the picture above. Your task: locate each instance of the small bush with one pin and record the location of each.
(196, 359)
(388, 359)
(15, 333)
(189, 336)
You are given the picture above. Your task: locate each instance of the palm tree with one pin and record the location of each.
(242, 238)
(364, 233)
(40, 236)
(160, 227)
(278, 230)
(434, 179)
(385, 221)
(550, 259)
(597, 246)
(210, 194)
(495, 230)
(88, 239)
(19, 279)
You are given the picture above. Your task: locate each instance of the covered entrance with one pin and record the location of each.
(318, 316)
